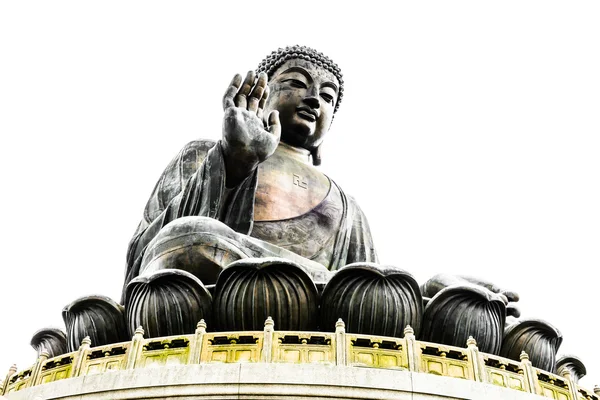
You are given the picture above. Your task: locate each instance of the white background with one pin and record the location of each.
(469, 135)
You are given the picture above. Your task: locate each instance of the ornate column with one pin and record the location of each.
(196, 345)
(476, 360)
(530, 375)
(268, 341)
(37, 368)
(341, 351)
(80, 357)
(11, 372)
(413, 351)
(135, 348)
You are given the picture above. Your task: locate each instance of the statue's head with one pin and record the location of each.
(306, 88)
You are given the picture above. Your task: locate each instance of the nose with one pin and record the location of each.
(312, 97)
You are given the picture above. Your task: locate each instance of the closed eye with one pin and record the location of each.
(327, 97)
(296, 83)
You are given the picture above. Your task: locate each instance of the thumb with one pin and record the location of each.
(275, 124)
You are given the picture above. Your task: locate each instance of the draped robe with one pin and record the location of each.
(193, 185)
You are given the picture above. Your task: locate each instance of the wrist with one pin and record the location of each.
(237, 170)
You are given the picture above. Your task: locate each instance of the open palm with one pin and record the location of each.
(247, 140)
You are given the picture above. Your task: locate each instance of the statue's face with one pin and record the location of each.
(305, 96)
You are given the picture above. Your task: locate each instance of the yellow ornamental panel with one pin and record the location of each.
(504, 372)
(219, 356)
(154, 361)
(243, 356)
(94, 369)
(232, 347)
(497, 379)
(515, 383)
(316, 356)
(113, 365)
(553, 386)
(291, 356)
(303, 347)
(387, 361)
(365, 358)
(381, 353)
(61, 374)
(456, 371)
(176, 359)
(435, 367)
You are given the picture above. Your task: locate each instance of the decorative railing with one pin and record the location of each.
(270, 346)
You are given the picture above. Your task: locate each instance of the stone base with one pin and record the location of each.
(265, 381)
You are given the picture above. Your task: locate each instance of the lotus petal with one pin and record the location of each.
(167, 302)
(250, 290)
(372, 299)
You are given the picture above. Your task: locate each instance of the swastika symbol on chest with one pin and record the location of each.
(300, 182)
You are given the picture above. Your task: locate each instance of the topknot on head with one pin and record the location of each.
(274, 60)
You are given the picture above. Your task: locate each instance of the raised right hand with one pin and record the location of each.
(247, 140)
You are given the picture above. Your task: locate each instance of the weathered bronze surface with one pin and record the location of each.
(571, 364)
(97, 317)
(251, 290)
(537, 338)
(249, 220)
(457, 312)
(441, 281)
(257, 181)
(257, 184)
(373, 299)
(51, 340)
(166, 303)
(277, 196)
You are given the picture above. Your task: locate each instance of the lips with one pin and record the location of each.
(308, 113)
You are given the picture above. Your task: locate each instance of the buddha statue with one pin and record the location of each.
(254, 204)
(246, 228)
(256, 192)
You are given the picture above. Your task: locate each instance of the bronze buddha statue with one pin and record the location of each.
(257, 184)
(246, 228)
(255, 194)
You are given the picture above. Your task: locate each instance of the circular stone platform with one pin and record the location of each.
(265, 381)
(271, 364)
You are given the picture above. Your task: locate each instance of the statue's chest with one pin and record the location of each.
(287, 190)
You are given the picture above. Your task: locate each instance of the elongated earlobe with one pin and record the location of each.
(316, 155)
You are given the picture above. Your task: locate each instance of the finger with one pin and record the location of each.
(233, 88)
(240, 98)
(503, 298)
(257, 92)
(511, 296)
(274, 124)
(263, 101)
(513, 311)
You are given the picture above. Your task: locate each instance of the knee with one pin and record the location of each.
(199, 245)
(194, 225)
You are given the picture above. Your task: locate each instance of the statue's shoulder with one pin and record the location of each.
(200, 145)
(198, 148)
(176, 174)
(192, 155)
